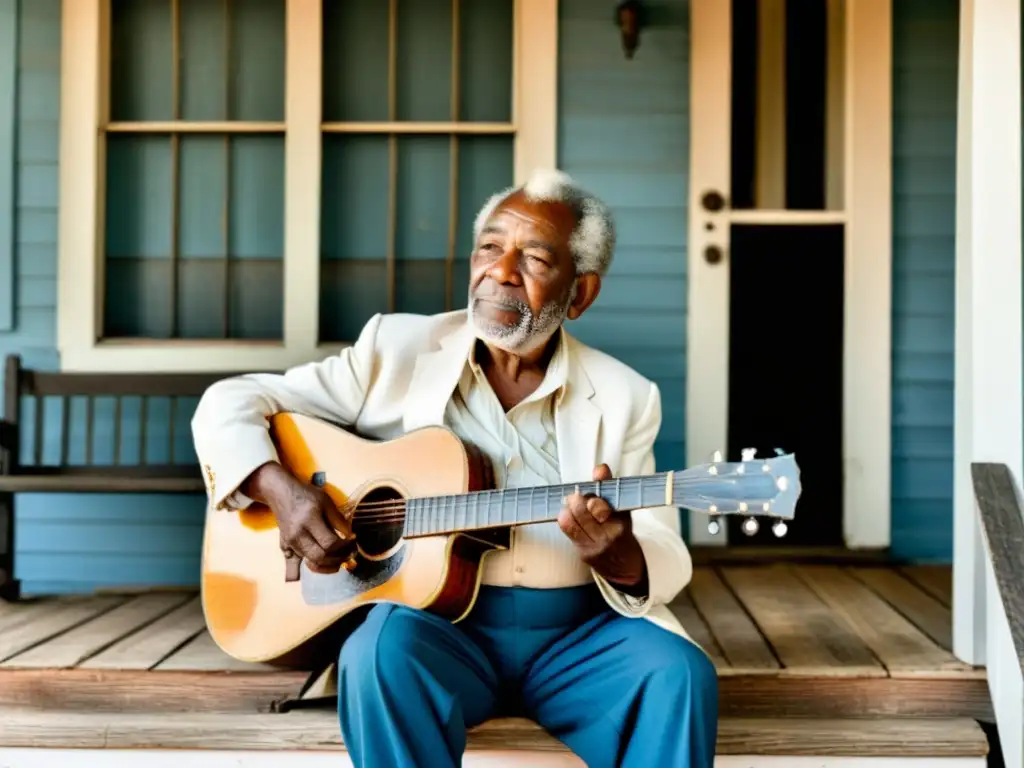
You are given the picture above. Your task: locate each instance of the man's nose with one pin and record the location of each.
(505, 268)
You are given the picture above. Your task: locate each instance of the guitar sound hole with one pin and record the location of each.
(379, 520)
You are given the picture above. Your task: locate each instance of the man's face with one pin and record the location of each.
(522, 274)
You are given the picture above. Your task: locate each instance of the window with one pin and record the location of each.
(245, 182)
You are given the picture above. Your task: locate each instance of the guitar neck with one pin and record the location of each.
(430, 516)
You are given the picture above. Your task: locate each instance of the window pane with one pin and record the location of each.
(421, 234)
(223, 278)
(256, 225)
(787, 96)
(231, 60)
(204, 47)
(485, 67)
(257, 60)
(355, 60)
(141, 77)
(355, 234)
(486, 166)
(424, 58)
(356, 56)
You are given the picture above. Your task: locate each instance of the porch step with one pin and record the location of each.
(740, 695)
(314, 730)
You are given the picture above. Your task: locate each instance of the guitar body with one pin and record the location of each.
(425, 514)
(254, 614)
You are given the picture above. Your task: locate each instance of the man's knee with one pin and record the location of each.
(680, 668)
(385, 633)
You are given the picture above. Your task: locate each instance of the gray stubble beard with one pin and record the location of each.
(532, 331)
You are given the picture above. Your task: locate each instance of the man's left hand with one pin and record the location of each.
(604, 538)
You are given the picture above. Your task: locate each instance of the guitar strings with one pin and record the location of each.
(394, 509)
(397, 510)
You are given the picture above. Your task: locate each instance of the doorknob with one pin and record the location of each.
(712, 201)
(713, 254)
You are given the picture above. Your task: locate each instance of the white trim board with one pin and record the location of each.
(866, 208)
(988, 377)
(109, 758)
(84, 118)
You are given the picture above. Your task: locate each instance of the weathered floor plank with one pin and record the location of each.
(734, 631)
(936, 580)
(15, 614)
(153, 643)
(319, 730)
(683, 609)
(898, 644)
(927, 613)
(76, 645)
(201, 653)
(806, 636)
(42, 625)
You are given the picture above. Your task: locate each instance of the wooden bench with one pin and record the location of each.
(23, 443)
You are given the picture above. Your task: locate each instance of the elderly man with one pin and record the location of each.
(570, 627)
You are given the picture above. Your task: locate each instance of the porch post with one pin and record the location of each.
(988, 396)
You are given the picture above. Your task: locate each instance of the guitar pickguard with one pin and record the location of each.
(331, 588)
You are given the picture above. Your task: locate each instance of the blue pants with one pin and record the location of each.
(616, 691)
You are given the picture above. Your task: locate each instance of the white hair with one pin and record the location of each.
(593, 240)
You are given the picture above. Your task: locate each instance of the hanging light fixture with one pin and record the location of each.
(629, 19)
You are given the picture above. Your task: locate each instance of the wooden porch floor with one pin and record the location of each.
(813, 660)
(787, 640)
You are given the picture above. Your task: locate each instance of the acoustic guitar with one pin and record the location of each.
(424, 513)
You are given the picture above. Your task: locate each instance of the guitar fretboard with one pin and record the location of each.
(434, 515)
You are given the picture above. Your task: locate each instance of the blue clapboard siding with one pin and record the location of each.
(924, 213)
(624, 134)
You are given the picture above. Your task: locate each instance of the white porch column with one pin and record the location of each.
(988, 425)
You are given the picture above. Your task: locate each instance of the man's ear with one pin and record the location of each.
(588, 286)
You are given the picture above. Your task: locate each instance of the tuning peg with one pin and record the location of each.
(779, 452)
(779, 528)
(715, 457)
(750, 526)
(748, 454)
(714, 527)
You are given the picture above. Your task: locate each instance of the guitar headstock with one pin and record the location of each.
(752, 487)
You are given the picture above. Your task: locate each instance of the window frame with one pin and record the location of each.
(85, 65)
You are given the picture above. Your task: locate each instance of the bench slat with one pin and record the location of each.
(151, 384)
(99, 484)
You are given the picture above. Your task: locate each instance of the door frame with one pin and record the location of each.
(862, 138)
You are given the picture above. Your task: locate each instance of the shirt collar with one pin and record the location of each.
(555, 378)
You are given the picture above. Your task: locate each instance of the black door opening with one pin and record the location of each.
(786, 368)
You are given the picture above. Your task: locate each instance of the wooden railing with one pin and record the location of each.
(1002, 530)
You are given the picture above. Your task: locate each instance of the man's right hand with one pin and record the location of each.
(311, 525)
